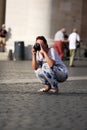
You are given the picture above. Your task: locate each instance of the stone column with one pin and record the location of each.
(39, 18)
(2, 11)
(84, 21)
(30, 18)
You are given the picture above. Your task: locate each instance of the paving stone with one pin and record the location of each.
(23, 108)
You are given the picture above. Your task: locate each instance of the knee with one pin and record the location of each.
(38, 71)
(45, 66)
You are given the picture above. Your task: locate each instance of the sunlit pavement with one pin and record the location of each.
(23, 108)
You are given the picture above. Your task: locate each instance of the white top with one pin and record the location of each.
(73, 38)
(53, 55)
(59, 36)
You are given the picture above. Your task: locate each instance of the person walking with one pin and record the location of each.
(73, 39)
(59, 41)
(48, 66)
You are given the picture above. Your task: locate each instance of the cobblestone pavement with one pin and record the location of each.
(23, 108)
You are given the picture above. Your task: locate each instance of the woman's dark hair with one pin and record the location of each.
(43, 39)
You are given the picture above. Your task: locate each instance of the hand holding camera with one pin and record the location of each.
(37, 47)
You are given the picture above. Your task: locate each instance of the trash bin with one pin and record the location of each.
(19, 50)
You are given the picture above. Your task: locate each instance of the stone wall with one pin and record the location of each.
(84, 20)
(66, 13)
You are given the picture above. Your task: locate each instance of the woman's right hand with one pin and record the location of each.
(33, 51)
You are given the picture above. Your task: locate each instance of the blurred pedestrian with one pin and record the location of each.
(3, 33)
(74, 38)
(59, 41)
(48, 66)
(66, 46)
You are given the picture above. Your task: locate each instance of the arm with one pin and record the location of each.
(78, 38)
(34, 62)
(50, 61)
(65, 41)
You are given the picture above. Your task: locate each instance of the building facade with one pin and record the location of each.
(30, 18)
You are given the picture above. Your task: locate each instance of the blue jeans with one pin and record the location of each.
(51, 76)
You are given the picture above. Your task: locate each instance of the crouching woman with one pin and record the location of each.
(48, 66)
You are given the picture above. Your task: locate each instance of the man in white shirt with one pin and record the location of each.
(59, 42)
(73, 39)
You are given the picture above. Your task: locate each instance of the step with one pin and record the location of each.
(3, 56)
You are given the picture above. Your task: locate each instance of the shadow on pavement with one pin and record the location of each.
(46, 93)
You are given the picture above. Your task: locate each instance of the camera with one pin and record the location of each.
(37, 47)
